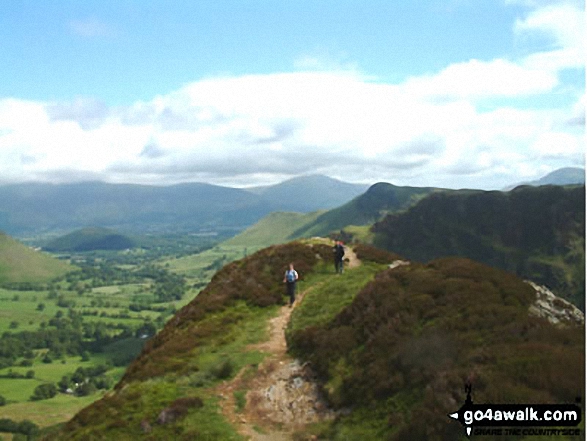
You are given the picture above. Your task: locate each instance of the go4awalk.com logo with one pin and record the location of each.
(518, 419)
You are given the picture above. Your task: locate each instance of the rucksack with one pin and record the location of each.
(290, 276)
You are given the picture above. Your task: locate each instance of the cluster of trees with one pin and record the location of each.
(85, 381)
(66, 335)
(26, 428)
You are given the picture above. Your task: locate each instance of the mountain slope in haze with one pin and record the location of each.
(90, 239)
(47, 207)
(375, 352)
(309, 193)
(561, 176)
(535, 232)
(37, 208)
(365, 209)
(20, 264)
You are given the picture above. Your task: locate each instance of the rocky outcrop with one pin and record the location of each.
(397, 263)
(553, 308)
(292, 396)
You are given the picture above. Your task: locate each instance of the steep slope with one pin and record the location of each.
(535, 232)
(20, 264)
(91, 239)
(365, 209)
(309, 193)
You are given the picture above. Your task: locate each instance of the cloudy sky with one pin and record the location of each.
(448, 93)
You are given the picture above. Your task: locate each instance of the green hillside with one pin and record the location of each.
(273, 229)
(372, 336)
(364, 210)
(91, 239)
(380, 199)
(535, 232)
(20, 264)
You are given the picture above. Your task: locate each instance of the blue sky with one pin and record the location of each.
(453, 93)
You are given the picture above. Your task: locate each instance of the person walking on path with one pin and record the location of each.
(338, 251)
(290, 279)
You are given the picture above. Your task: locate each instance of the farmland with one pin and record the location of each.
(78, 331)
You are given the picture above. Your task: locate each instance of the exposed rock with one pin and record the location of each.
(293, 397)
(397, 263)
(553, 308)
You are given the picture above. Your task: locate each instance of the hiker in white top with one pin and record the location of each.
(290, 279)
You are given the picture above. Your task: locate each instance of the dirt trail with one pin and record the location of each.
(282, 395)
(353, 260)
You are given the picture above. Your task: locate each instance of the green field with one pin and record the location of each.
(99, 300)
(202, 266)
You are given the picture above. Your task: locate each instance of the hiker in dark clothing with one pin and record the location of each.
(338, 252)
(290, 279)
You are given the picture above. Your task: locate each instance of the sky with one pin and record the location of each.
(446, 93)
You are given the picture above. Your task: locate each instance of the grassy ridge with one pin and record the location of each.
(19, 264)
(205, 343)
(273, 229)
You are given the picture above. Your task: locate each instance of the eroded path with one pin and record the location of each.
(282, 395)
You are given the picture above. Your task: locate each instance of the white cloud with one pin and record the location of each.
(478, 79)
(231, 130)
(562, 25)
(429, 130)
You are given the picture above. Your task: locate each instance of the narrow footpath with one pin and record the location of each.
(282, 395)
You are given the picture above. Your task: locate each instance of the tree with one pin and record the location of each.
(85, 389)
(44, 391)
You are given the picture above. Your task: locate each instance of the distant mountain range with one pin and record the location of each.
(562, 176)
(37, 208)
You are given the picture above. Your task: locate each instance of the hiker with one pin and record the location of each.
(338, 252)
(290, 279)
